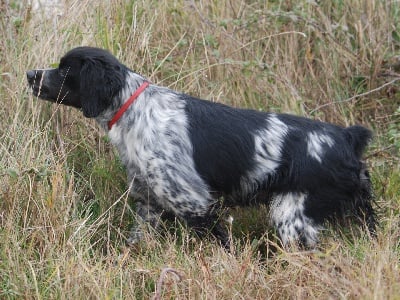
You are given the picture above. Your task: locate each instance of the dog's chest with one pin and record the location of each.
(153, 136)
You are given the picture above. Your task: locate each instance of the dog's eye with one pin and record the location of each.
(63, 72)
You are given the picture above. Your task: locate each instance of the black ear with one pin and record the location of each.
(96, 88)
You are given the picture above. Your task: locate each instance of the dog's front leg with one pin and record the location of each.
(209, 224)
(147, 215)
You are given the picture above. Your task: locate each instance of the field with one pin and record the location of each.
(64, 208)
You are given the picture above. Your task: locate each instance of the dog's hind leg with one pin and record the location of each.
(293, 226)
(365, 200)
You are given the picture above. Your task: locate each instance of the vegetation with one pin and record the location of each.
(64, 209)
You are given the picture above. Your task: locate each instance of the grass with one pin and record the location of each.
(64, 210)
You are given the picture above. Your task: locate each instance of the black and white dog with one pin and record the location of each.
(189, 157)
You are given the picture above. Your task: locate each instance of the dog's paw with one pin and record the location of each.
(135, 236)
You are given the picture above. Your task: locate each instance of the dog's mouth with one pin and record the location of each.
(44, 93)
(40, 91)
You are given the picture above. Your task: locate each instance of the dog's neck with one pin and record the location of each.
(132, 83)
(127, 104)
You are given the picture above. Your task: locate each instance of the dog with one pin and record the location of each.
(191, 158)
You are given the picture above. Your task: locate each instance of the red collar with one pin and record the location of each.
(128, 103)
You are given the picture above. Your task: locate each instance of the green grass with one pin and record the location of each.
(64, 210)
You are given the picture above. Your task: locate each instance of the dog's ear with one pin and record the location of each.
(96, 88)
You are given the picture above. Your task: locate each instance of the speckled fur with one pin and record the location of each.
(190, 157)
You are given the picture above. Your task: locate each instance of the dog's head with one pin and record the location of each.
(86, 78)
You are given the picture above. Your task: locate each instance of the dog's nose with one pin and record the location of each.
(30, 75)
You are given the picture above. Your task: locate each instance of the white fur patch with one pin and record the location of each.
(287, 215)
(268, 145)
(315, 144)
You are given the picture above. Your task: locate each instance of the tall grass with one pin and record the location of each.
(64, 210)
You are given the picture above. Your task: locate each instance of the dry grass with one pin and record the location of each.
(64, 211)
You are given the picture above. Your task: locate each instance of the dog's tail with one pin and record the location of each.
(359, 137)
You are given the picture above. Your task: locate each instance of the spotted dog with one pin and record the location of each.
(190, 157)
